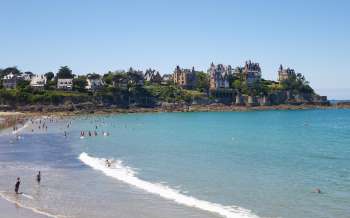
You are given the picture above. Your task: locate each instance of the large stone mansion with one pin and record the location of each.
(185, 78)
(285, 73)
(219, 76)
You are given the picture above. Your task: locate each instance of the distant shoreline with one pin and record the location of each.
(64, 111)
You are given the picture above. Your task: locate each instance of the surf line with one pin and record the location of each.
(21, 128)
(28, 196)
(127, 175)
(33, 209)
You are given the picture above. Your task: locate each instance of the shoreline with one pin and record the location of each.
(24, 114)
(12, 209)
(28, 211)
(12, 119)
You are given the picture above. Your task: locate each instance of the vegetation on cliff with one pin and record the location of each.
(125, 88)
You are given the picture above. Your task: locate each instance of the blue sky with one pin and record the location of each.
(96, 36)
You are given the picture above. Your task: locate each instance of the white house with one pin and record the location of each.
(94, 83)
(38, 82)
(10, 81)
(65, 84)
(27, 76)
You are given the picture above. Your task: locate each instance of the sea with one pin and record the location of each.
(166, 165)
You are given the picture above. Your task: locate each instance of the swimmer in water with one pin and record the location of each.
(108, 163)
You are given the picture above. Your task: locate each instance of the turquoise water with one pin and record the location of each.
(267, 162)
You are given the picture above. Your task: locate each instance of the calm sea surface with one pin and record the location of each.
(233, 164)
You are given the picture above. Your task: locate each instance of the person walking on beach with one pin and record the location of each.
(38, 177)
(17, 185)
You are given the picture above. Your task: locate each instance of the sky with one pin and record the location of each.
(312, 36)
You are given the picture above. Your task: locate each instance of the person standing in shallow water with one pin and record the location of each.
(17, 185)
(38, 177)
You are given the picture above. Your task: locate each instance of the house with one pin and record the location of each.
(38, 82)
(65, 84)
(11, 80)
(27, 76)
(157, 78)
(185, 78)
(285, 74)
(219, 76)
(94, 82)
(153, 76)
(167, 78)
(120, 82)
(149, 75)
(251, 72)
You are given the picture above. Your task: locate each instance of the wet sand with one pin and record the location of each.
(9, 210)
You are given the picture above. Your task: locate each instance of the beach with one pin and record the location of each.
(213, 164)
(13, 210)
(11, 119)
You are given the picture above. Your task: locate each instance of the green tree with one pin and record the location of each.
(135, 78)
(49, 76)
(108, 78)
(79, 83)
(22, 84)
(297, 84)
(237, 84)
(65, 73)
(9, 70)
(119, 79)
(202, 81)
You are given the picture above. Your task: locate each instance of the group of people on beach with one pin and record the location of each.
(18, 182)
(42, 124)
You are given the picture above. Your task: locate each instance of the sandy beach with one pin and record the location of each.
(14, 210)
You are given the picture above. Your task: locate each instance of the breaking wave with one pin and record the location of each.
(127, 175)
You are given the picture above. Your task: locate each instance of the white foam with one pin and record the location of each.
(21, 128)
(127, 175)
(33, 209)
(28, 196)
